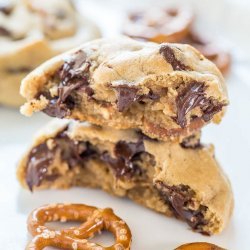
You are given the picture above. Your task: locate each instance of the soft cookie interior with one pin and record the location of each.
(127, 163)
(165, 90)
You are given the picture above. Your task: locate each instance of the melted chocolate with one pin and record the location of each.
(125, 155)
(74, 77)
(169, 56)
(178, 198)
(76, 153)
(127, 95)
(194, 96)
(41, 157)
(39, 160)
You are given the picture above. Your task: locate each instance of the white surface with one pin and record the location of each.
(151, 231)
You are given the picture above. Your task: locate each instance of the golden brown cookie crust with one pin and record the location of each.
(130, 84)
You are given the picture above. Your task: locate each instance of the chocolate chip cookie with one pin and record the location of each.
(166, 90)
(176, 179)
(31, 32)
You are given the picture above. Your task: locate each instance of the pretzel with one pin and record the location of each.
(199, 246)
(220, 57)
(76, 238)
(159, 25)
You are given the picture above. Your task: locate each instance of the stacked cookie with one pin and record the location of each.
(31, 32)
(141, 106)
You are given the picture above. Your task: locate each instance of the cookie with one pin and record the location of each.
(167, 90)
(31, 33)
(176, 179)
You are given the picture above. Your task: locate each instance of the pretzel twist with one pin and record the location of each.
(159, 25)
(219, 56)
(199, 246)
(76, 238)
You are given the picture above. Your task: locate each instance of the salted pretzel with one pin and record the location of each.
(199, 246)
(94, 220)
(210, 50)
(159, 25)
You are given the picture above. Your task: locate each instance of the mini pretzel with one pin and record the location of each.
(76, 238)
(220, 57)
(199, 246)
(159, 25)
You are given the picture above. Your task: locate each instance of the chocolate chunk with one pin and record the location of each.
(127, 95)
(180, 199)
(6, 8)
(39, 160)
(127, 150)
(125, 154)
(169, 56)
(210, 108)
(189, 98)
(19, 70)
(194, 96)
(73, 152)
(74, 77)
(54, 109)
(192, 142)
(5, 32)
(41, 157)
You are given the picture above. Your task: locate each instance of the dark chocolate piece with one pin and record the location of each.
(41, 157)
(180, 199)
(127, 95)
(169, 56)
(126, 153)
(39, 160)
(74, 74)
(5, 32)
(194, 96)
(74, 77)
(18, 70)
(210, 108)
(6, 8)
(192, 142)
(54, 109)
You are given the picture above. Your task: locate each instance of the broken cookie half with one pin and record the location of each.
(166, 90)
(176, 179)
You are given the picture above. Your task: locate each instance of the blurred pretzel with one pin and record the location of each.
(219, 56)
(93, 220)
(159, 25)
(173, 25)
(199, 246)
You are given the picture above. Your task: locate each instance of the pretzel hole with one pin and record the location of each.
(172, 12)
(105, 238)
